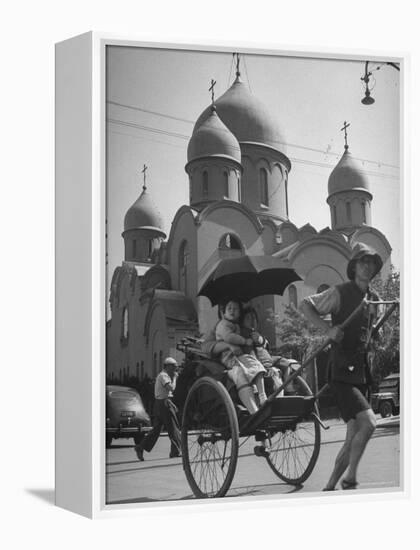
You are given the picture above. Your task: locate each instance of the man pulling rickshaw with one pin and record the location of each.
(350, 377)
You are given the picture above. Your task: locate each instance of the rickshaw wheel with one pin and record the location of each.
(294, 452)
(209, 438)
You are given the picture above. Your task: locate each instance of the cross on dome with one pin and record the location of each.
(236, 55)
(144, 176)
(346, 125)
(211, 89)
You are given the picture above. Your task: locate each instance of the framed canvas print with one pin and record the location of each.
(229, 250)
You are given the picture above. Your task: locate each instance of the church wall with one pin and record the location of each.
(216, 190)
(268, 238)
(157, 339)
(218, 223)
(253, 159)
(184, 231)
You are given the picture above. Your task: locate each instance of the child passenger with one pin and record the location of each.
(260, 346)
(244, 369)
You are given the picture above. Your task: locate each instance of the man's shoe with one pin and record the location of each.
(139, 453)
(346, 485)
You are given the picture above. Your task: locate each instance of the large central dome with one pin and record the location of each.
(246, 117)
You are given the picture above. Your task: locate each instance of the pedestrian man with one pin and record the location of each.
(164, 412)
(349, 376)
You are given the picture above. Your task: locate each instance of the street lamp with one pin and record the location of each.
(368, 99)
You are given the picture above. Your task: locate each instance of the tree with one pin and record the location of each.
(297, 335)
(387, 349)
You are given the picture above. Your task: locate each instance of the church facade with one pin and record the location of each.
(238, 180)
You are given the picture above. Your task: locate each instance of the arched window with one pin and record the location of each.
(334, 214)
(363, 212)
(230, 241)
(348, 211)
(239, 189)
(226, 184)
(183, 261)
(264, 186)
(124, 325)
(134, 248)
(292, 296)
(205, 184)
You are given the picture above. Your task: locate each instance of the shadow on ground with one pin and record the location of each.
(47, 495)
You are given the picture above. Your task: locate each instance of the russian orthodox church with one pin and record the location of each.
(238, 179)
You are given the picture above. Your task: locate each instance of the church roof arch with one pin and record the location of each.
(185, 210)
(366, 229)
(207, 211)
(342, 248)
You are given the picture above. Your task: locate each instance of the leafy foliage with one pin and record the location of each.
(297, 335)
(387, 354)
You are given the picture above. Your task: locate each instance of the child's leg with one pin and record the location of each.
(245, 391)
(246, 395)
(259, 382)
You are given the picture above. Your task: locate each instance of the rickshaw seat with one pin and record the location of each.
(208, 367)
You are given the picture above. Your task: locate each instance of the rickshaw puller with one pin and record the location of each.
(350, 375)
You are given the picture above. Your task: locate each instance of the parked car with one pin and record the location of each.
(125, 414)
(386, 401)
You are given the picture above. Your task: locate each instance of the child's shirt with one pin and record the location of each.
(229, 332)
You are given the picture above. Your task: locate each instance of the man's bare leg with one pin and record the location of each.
(366, 424)
(343, 457)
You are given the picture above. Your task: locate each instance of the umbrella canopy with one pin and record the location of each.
(247, 277)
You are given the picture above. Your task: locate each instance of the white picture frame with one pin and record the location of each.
(81, 292)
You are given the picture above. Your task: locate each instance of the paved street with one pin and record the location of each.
(160, 478)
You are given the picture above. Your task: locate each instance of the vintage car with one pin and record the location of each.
(125, 414)
(386, 401)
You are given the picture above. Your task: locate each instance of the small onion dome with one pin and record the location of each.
(245, 116)
(212, 138)
(346, 176)
(143, 214)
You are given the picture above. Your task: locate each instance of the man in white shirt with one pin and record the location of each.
(164, 413)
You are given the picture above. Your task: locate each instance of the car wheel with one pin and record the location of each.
(108, 441)
(385, 409)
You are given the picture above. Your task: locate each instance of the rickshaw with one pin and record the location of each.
(287, 426)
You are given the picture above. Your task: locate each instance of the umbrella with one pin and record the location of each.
(247, 277)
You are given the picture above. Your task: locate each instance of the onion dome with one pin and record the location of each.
(213, 138)
(245, 116)
(346, 176)
(143, 214)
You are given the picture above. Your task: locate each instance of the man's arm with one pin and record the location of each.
(328, 302)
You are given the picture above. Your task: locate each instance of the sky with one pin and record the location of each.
(154, 97)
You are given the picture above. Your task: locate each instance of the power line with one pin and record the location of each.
(294, 159)
(148, 111)
(306, 148)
